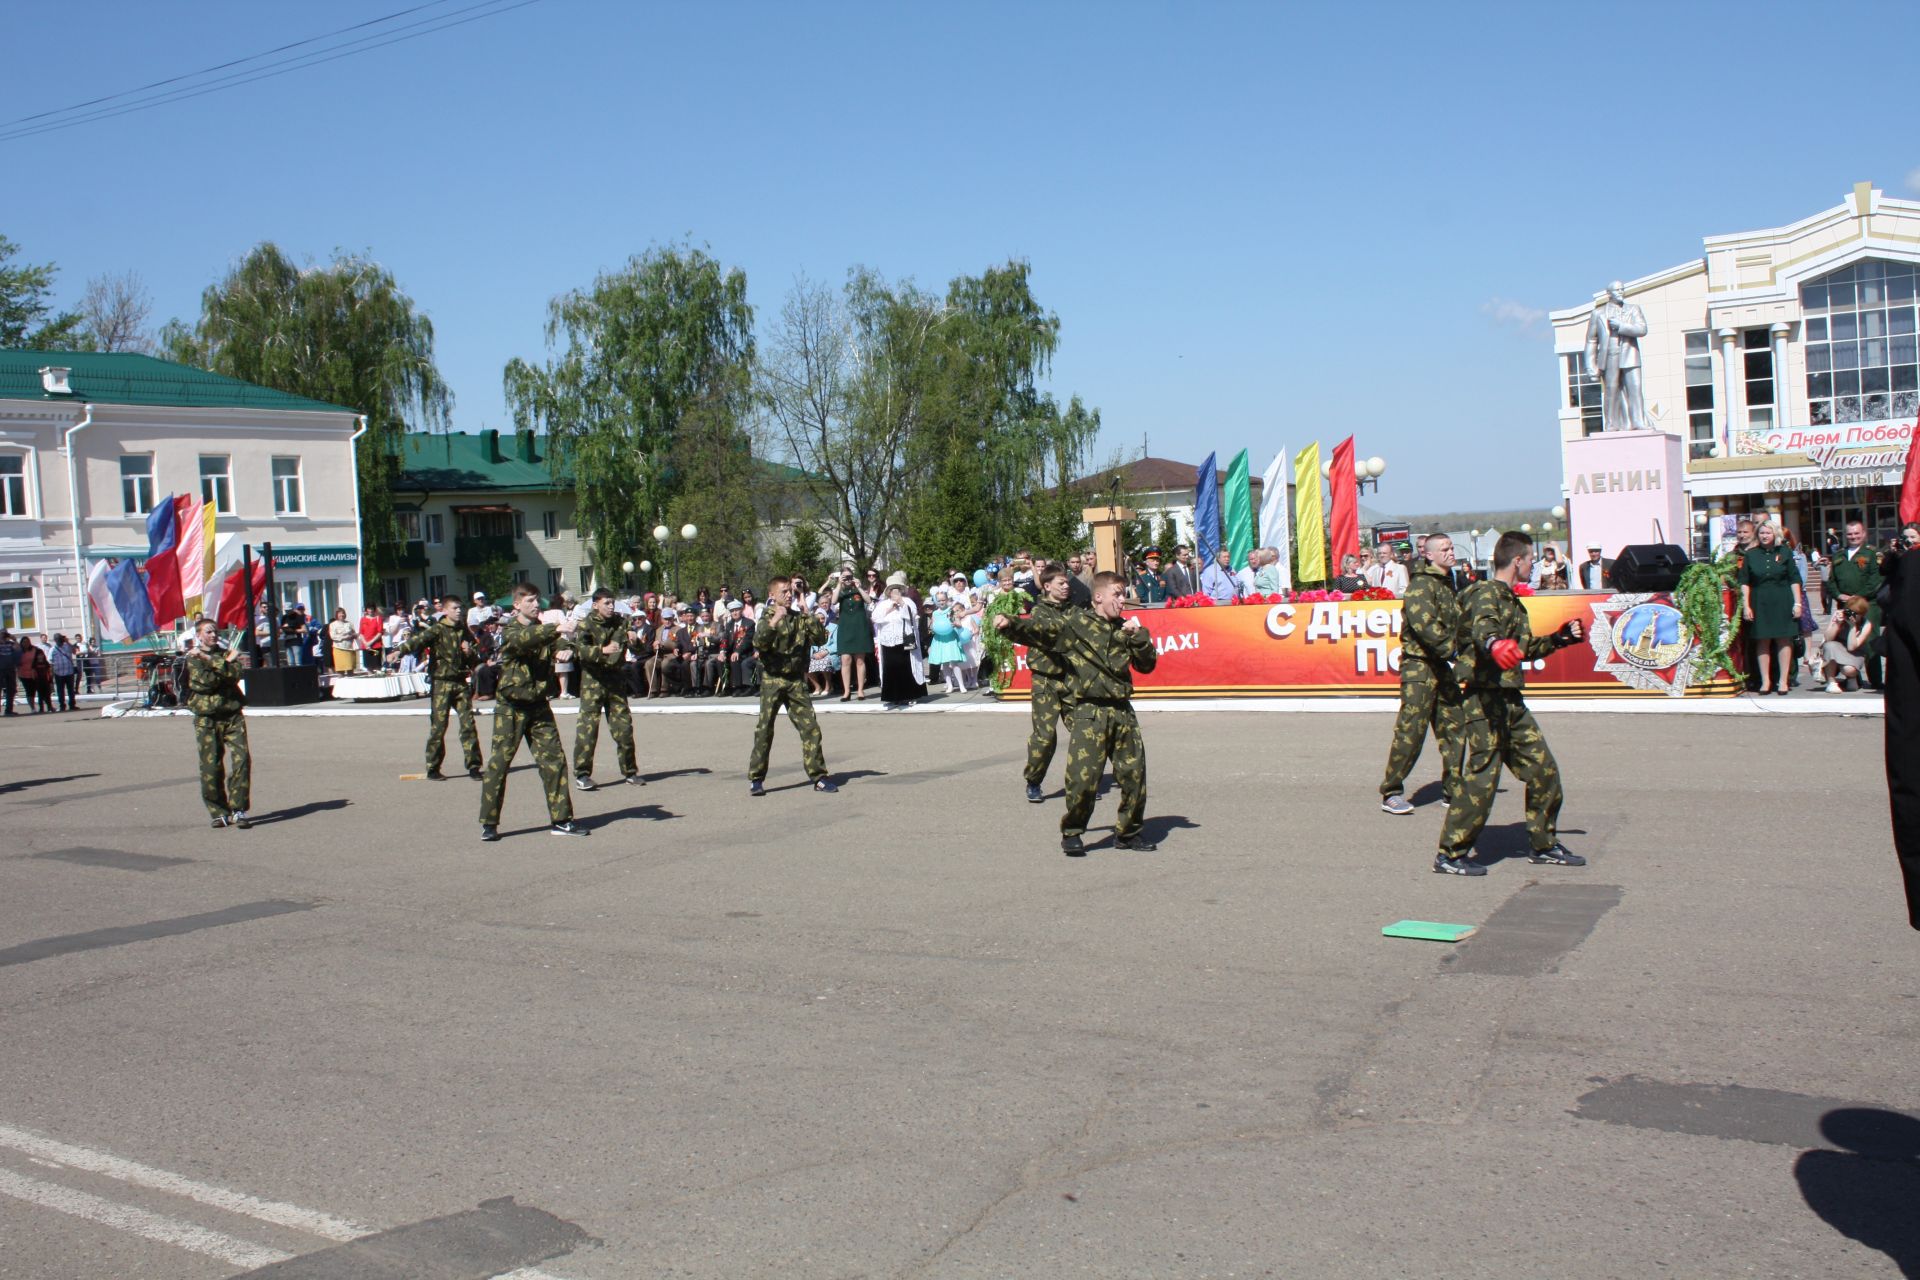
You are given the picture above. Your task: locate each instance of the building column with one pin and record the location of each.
(1729, 382)
(1778, 332)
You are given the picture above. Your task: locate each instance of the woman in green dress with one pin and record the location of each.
(853, 641)
(1771, 603)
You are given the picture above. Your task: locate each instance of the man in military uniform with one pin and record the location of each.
(527, 653)
(1429, 695)
(784, 640)
(1856, 572)
(219, 726)
(599, 647)
(1149, 587)
(452, 658)
(1499, 730)
(1099, 651)
(1049, 704)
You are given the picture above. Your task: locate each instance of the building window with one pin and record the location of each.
(420, 526)
(1700, 437)
(16, 609)
(216, 481)
(550, 523)
(288, 500)
(556, 581)
(433, 530)
(586, 577)
(136, 483)
(408, 523)
(519, 524)
(13, 484)
(1862, 365)
(436, 587)
(396, 590)
(1583, 393)
(1756, 365)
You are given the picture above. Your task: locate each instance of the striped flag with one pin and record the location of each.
(119, 601)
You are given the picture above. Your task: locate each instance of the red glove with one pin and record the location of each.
(1507, 653)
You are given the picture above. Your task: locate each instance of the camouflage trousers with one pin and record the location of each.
(1049, 709)
(450, 695)
(775, 692)
(225, 788)
(1498, 730)
(1096, 733)
(533, 721)
(596, 698)
(1427, 698)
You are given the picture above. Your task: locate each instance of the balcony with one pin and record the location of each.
(474, 549)
(413, 555)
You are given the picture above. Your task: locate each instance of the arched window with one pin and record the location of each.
(1862, 362)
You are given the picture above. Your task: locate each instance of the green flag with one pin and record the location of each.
(1239, 506)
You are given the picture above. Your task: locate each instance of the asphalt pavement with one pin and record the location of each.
(893, 1032)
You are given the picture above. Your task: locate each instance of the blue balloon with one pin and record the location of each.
(979, 577)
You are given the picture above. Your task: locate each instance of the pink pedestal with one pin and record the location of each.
(1625, 487)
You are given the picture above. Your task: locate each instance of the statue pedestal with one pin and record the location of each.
(1104, 524)
(1623, 488)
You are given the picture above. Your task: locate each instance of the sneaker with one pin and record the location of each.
(1139, 844)
(583, 783)
(218, 823)
(1073, 846)
(241, 820)
(756, 788)
(489, 832)
(1457, 866)
(1034, 794)
(634, 780)
(1396, 804)
(1445, 803)
(824, 786)
(1559, 856)
(476, 773)
(567, 828)
(1833, 686)
(434, 775)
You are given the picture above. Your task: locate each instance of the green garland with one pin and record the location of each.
(1701, 599)
(1000, 656)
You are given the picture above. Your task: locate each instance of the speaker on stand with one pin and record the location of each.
(1649, 566)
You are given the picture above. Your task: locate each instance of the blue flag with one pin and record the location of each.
(128, 596)
(1206, 511)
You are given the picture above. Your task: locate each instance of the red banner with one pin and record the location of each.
(1635, 646)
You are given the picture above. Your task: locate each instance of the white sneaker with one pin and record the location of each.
(1833, 686)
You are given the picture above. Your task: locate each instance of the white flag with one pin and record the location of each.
(1274, 514)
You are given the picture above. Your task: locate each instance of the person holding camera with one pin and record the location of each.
(220, 726)
(853, 641)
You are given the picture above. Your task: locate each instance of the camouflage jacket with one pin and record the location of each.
(1430, 617)
(1493, 612)
(526, 660)
(213, 684)
(594, 634)
(1099, 656)
(783, 646)
(1041, 660)
(448, 661)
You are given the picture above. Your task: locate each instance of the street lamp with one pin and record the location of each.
(1369, 473)
(1559, 513)
(688, 532)
(1475, 535)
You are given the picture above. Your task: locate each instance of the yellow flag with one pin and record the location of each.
(1309, 528)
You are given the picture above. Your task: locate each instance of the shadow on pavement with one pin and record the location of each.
(8, 788)
(1870, 1190)
(651, 812)
(299, 811)
(664, 774)
(1157, 829)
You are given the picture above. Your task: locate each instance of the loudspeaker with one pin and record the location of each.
(1649, 566)
(282, 686)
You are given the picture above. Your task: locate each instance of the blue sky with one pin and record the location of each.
(1259, 224)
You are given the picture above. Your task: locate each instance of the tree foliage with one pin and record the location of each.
(661, 346)
(27, 318)
(113, 314)
(344, 334)
(804, 555)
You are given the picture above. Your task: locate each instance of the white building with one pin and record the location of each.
(1786, 359)
(123, 431)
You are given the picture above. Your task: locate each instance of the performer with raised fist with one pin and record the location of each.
(785, 638)
(600, 648)
(521, 710)
(219, 726)
(453, 656)
(1499, 730)
(1049, 706)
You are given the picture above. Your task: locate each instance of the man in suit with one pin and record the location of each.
(667, 668)
(1182, 578)
(1613, 356)
(1594, 573)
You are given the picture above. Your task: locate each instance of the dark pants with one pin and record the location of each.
(9, 688)
(65, 687)
(38, 698)
(742, 674)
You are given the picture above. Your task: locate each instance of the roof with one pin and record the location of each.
(1148, 475)
(466, 460)
(124, 378)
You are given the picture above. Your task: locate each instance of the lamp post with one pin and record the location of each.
(1369, 473)
(1475, 535)
(688, 532)
(626, 575)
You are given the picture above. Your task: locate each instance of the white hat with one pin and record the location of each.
(1594, 546)
(479, 595)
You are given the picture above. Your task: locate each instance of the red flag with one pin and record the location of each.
(1343, 524)
(233, 594)
(163, 566)
(190, 547)
(1910, 486)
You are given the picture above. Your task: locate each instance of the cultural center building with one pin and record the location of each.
(1785, 359)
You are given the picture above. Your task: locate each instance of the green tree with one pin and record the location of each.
(805, 554)
(952, 529)
(714, 469)
(640, 352)
(27, 319)
(344, 334)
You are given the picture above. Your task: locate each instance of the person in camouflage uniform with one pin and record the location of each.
(1099, 651)
(1049, 705)
(521, 710)
(600, 646)
(785, 638)
(1429, 695)
(453, 656)
(219, 726)
(1499, 730)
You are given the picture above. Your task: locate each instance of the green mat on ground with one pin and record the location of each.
(1429, 931)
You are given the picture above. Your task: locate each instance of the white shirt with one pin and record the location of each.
(1245, 578)
(480, 615)
(1392, 575)
(1592, 575)
(894, 624)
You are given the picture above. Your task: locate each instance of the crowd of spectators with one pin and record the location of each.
(45, 671)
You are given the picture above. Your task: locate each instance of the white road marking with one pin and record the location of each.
(152, 1226)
